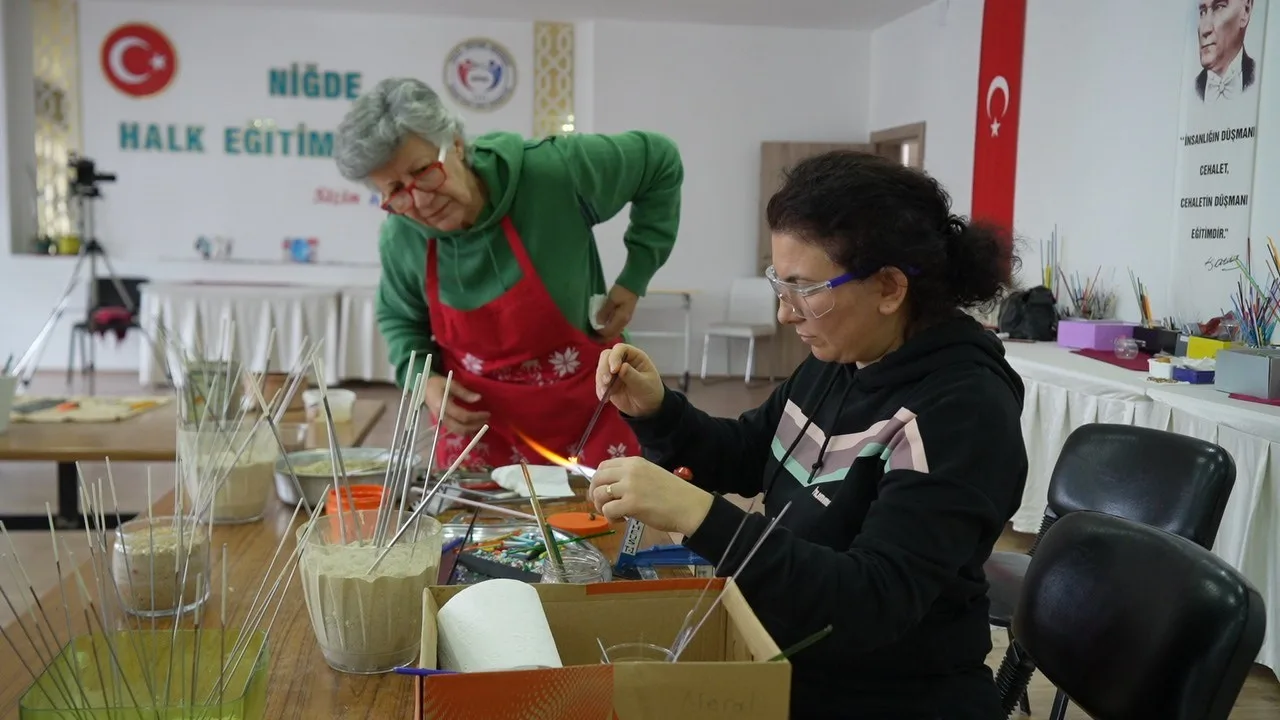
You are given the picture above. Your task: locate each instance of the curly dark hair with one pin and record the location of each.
(867, 212)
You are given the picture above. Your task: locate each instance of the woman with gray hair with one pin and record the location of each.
(489, 264)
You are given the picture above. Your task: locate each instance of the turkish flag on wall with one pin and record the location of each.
(995, 146)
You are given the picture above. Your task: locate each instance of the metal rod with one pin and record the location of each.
(413, 518)
(683, 643)
(595, 417)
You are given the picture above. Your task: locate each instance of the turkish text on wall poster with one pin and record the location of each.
(1217, 142)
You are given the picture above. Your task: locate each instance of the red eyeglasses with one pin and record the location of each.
(428, 180)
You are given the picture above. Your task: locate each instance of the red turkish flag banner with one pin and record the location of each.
(995, 146)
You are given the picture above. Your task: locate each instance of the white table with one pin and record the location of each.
(195, 314)
(1065, 390)
(364, 354)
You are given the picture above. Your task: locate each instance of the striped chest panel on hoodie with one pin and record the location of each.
(812, 457)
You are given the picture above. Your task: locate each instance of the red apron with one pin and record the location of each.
(534, 371)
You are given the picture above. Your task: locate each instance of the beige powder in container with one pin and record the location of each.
(148, 561)
(245, 488)
(366, 622)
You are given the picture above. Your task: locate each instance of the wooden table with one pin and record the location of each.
(301, 685)
(149, 437)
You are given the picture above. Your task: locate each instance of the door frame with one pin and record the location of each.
(900, 134)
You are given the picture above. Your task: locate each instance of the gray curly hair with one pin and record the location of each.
(379, 120)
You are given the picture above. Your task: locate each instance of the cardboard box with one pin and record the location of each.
(1092, 334)
(725, 671)
(1249, 371)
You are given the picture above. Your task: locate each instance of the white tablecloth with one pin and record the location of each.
(196, 313)
(1065, 391)
(364, 354)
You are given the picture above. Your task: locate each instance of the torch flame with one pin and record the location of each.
(569, 463)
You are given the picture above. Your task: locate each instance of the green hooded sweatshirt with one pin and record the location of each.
(554, 190)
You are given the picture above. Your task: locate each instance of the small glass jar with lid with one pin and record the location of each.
(581, 567)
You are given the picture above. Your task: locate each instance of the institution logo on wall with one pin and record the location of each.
(480, 74)
(139, 60)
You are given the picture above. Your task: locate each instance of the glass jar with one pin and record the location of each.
(637, 652)
(1126, 348)
(581, 567)
(161, 565)
(210, 391)
(228, 469)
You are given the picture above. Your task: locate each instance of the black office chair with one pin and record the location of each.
(111, 312)
(1173, 482)
(1133, 623)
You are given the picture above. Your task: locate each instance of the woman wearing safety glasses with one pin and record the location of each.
(895, 450)
(489, 264)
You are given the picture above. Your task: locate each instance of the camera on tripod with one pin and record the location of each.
(85, 177)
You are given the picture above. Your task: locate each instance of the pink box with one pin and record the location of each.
(1092, 334)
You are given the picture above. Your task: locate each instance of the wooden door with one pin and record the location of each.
(904, 144)
(776, 157)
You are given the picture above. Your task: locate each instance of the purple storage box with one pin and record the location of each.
(1195, 377)
(1092, 334)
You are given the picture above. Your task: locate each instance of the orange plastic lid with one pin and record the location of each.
(578, 523)
(363, 497)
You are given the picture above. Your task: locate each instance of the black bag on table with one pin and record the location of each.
(1030, 315)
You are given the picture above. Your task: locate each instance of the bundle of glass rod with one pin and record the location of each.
(1143, 299)
(124, 666)
(404, 447)
(228, 453)
(1088, 299)
(1255, 306)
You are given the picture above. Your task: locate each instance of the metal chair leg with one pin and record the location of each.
(706, 349)
(774, 355)
(87, 360)
(71, 357)
(1060, 704)
(751, 358)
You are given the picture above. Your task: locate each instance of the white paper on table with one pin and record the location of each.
(550, 481)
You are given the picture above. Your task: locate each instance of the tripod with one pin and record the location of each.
(84, 189)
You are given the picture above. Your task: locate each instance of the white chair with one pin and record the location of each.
(753, 315)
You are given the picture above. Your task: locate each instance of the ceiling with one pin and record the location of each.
(826, 14)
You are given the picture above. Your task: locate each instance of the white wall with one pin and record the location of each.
(1097, 137)
(924, 66)
(718, 91)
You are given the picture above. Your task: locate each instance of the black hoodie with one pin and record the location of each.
(901, 476)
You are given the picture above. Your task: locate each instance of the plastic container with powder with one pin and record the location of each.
(368, 622)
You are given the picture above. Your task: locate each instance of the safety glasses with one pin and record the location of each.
(428, 180)
(810, 301)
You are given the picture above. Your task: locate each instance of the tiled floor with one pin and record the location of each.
(26, 487)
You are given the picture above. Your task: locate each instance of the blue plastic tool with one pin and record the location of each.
(640, 564)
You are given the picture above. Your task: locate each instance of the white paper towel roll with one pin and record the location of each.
(495, 625)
